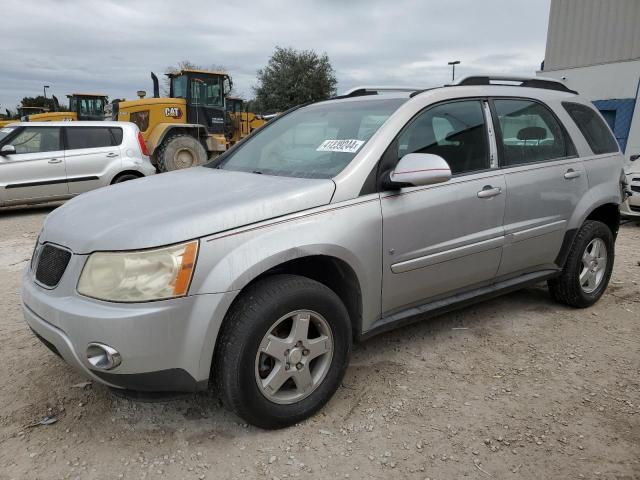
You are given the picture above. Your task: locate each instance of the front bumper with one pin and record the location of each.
(165, 345)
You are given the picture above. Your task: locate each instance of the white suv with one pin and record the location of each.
(631, 207)
(48, 161)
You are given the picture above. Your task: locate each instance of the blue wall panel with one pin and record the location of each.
(618, 111)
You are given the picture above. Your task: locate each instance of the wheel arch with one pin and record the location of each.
(332, 271)
(607, 213)
(126, 172)
(163, 130)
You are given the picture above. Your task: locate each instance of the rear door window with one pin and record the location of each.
(89, 137)
(594, 130)
(530, 133)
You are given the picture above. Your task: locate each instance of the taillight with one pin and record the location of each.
(143, 146)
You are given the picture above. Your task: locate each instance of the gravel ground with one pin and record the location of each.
(517, 387)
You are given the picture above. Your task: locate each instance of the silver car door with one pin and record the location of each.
(446, 237)
(37, 170)
(545, 181)
(91, 153)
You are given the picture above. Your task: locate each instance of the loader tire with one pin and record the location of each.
(180, 151)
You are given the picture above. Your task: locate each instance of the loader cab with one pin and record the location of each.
(234, 105)
(204, 92)
(88, 106)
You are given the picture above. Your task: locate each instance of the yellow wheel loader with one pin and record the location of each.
(82, 106)
(22, 114)
(187, 127)
(240, 122)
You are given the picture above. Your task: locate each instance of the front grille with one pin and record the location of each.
(634, 208)
(635, 188)
(52, 262)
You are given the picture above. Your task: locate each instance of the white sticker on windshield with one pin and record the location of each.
(345, 146)
(6, 130)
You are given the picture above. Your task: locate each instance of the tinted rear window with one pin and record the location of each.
(117, 135)
(92, 137)
(593, 128)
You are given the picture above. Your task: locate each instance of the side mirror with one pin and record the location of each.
(7, 150)
(635, 157)
(418, 169)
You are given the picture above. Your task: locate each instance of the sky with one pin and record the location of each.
(111, 46)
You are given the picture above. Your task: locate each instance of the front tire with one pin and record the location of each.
(588, 267)
(283, 350)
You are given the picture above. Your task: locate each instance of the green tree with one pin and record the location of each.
(292, 77)
(38, 101)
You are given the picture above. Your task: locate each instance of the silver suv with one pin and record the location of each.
(49, 161)
(334, 222)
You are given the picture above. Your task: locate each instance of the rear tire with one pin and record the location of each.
(180, 151)
(588, 267)
(263, 322)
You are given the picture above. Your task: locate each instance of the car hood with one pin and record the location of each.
(177, 206)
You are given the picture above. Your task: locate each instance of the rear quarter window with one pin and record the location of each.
(116, 134)
(593, 128)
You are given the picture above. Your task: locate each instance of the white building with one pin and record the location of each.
(594, 47)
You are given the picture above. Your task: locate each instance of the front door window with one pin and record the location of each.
(37, 140)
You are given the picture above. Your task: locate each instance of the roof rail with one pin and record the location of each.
(516, 81)
(373, 90)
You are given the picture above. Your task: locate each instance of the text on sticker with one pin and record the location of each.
(345, 146)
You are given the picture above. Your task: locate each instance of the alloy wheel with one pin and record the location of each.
(594, 265)
(294, 357)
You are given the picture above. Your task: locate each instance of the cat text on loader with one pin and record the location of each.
(82, 106)
(187, 127)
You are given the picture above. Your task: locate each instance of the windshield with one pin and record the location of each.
(207, 91)
(317, 141)
(5, 131)
(87, 106)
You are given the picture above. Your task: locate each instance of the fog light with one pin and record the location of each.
(103, 356)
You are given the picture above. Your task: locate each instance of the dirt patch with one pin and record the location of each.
(518, 387)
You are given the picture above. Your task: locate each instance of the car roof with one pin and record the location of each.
(72, 124)
(457, 91)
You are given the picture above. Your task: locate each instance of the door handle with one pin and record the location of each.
(571, 173)
(488, 191)
(55, 160)
(111, 155)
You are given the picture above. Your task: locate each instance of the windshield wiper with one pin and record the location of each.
(257, 171)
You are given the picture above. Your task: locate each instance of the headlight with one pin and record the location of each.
(139, 276)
